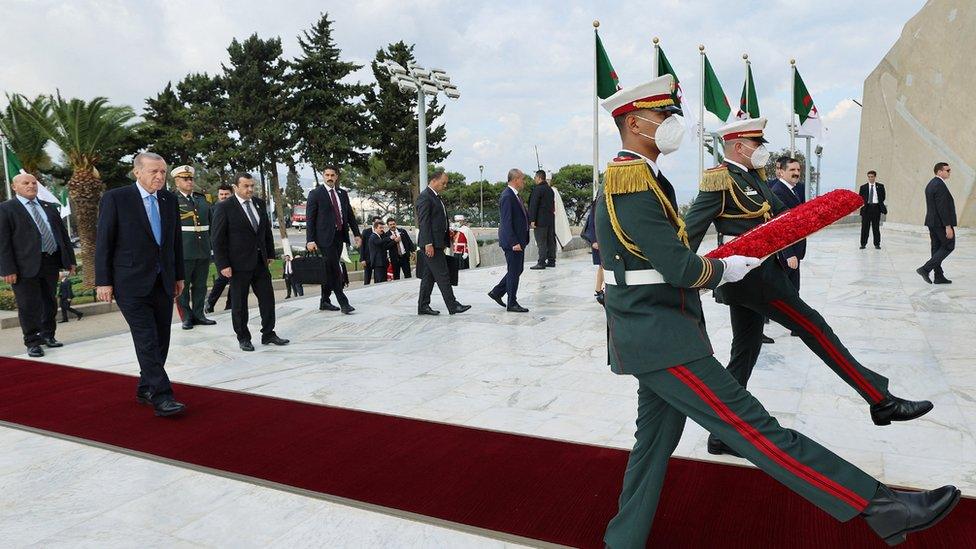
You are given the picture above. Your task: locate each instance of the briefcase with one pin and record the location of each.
(308, 269)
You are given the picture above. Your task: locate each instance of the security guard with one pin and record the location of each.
(657, 334)
(735, 197)
(195, 223)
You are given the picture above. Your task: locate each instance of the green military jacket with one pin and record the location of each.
(735, 200)
(650, 326)
(195, 217)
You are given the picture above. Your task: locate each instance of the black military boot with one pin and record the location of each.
(893, 514)
(893, 408)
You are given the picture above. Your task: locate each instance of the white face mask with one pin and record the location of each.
(759, 156)
(669, 134)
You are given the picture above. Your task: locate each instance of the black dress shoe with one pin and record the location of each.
(898, 409)
(459, 308)
(427, 311)
(327, 307)
(767, 340)
(497, 299)
(209, 308)
(168, 408)
(80, 314)
(796, 334)
(188, 324)
(64, 321)
(144, 397)
(52, 343)
(35, 351)
(274, 340)
(347, 309)
(717, 447)
(537, 267)
(517, 309)
(893, 514)
(942, 280)
(203, 321)
(877, 247)
(862, 247)
(924, 274)
(550, 264)
(246, 345)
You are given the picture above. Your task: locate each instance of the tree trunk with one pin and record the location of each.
(279, 213)
(85, 191)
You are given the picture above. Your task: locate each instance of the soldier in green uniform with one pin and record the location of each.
(195, 224)
(657, 334)
(735, 197)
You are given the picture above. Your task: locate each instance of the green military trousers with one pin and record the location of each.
(195, 289)
(767, 292)
(705, 392)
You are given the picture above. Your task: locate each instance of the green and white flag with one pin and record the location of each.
(749, 102)
(12, 163)
(803, 106)
(607, 82)
(715, 100)
(688, 113)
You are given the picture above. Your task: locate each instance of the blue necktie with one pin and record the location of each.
(154, 221)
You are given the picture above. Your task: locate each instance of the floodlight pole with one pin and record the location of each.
(422, 136)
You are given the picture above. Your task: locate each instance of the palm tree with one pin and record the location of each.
(23, 137)
(83, 131)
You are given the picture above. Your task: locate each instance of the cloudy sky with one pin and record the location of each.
(524, 69)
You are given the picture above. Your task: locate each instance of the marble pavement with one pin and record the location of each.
(541, 374)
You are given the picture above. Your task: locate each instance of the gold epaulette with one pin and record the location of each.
(633, 176)
(716, 179)
(628, 176)
(762, 173)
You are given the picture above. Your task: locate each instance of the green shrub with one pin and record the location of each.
(7, 301)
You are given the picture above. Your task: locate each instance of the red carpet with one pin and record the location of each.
(541, 489)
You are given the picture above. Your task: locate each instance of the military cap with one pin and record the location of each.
(183, 171)
(751, 128)
(655, 95)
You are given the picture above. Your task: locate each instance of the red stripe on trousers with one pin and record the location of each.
(838, 357)
(766, 446)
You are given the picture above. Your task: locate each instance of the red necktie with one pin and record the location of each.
(335, 209)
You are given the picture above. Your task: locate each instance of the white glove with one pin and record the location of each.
(737, 267)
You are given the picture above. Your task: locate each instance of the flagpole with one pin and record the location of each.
(792, 108)
(654, 63)
(701, 111)
(596, 105)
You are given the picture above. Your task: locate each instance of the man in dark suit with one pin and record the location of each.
(34, 247)
(873, 194)
(329, 218)
(402, 248)
(65, 295)
(379, 249)
(139, 263)
(791, 193)
(243, 249)
(542, 219)
(513, 237)
(224, 191)
(364, 251)
(940, 218)
(433, 239)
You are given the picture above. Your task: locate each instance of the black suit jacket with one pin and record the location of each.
(64, 288)
(879, 190)
(514, 225)
(542, 206)
(126, 253)
(20, 239)
(320, 218)
(432, 220)
(790, 199)
(364, 244)
(940, 208)
(235, 242)
(379, 246)
(408, 245)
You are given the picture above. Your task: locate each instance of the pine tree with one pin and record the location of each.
(166, 128)
(394, 120)
(294, 193)
(330, 120)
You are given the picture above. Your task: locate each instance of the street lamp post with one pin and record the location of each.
(415, 78)
(481, 184)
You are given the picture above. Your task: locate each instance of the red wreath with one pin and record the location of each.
(791, 226)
